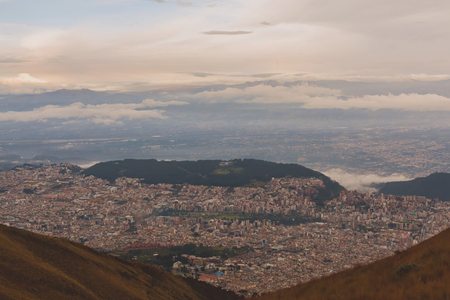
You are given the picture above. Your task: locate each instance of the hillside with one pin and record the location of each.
(38, 267)
(209, 172)
(436, 185)
(421, 272)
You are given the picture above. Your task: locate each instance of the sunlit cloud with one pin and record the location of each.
(23, 83)
(269, 94)
(310, 96)
(105, 114)
(151, 39)
(22, 78)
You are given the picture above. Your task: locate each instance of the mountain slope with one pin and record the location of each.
(421, 272)
(38, 267)
(238, 172)
(436, 185)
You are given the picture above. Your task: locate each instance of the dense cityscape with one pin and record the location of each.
(279, 234)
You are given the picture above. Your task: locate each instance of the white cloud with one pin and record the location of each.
(405, 102)
(269, 94)
(315, 97)
(22, 83)
(106, 114)
(361, 181)
(22, 78)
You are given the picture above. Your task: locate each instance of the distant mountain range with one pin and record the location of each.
(436, 185)
(232, 173)
(38, 267)
(421, 272)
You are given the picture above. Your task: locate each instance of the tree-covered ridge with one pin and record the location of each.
(232, 173)
(436, 185)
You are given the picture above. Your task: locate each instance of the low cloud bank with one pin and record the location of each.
(361, 181)
(106, 114)
(310, 96)
(405, 102)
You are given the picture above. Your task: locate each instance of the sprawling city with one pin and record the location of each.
(276, 234)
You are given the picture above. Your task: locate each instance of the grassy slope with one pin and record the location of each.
(422, 272)
(38, 267)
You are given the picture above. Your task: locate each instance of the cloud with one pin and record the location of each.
(11, 60)
(227, 32)
(141, 40)
(429, 77)
(373, 18)
(22, 83)
(105, 114)
(362, 181)
(404, 102)
(179, 2)
(22, 78)
(310, 96)
(269, 94)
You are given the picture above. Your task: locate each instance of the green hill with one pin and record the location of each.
(39, 267)
(436, 185)
(421, 272)
(233, 173)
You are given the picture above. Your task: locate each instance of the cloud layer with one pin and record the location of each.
(360, 181)
(148, 39)
(105, 114)
(311, 96)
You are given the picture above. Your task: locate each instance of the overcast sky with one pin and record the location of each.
(112, 43)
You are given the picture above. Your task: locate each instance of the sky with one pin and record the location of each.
(120, 44)
(262, 52)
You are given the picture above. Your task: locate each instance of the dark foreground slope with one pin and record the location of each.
(421, 272)
(238, 172)
(436, 185)
(37, 267)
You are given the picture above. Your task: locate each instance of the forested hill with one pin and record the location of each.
(233, 173)
(436, 185)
